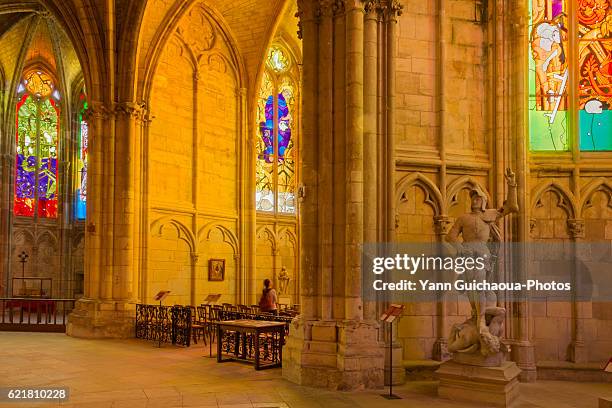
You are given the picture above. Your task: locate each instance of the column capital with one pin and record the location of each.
(532, 224)
(195, 257)
(442, 224)
(576, 227)
(392, 9)
(98, 110)
(326, 8)
(131, 109)
(308, 11)
(339, 7)
(372, 8)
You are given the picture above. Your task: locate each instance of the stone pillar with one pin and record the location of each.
(248, 239)
(354, 159)
(326, 158)
(107, 309)
(442, 225)
(523, 351)
(390, 10)
(370, 136)
(578, 352)
(7, 165)
(331, 344)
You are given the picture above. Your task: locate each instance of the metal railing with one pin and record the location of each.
(168, 324)
(32, 314)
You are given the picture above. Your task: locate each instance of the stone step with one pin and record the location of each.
(568, 371)
(420, 370)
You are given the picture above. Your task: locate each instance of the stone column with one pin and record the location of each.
(7, 167)
(523, 352)
(248, 239)
(307, 11)
(442, 225)
(107, 310)
(391, 9)
(331, 345)
(326, 151)
(354, 158)
(578, 350)
(127, 126)
(370, 137)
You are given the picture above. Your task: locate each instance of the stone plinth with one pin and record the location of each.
(490, 386)
(338, 355)
(101, 319)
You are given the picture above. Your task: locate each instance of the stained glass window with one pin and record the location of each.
(36, 146)
(276, 110)
(81, 185)
(595, 74)
(552, 65)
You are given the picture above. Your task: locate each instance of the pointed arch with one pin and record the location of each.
(272, 237)
(459, 184)
(567, 199)
(228, 236)
(433, 195)
(184, 232)
(594, 186)
(292, 237)
(46, 234)
(167, 29)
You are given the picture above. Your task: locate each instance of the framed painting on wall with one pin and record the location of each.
(216, 269)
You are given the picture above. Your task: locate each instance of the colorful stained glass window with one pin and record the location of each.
(595, 74)
(36, 145)
(81, 192)
(277, 60)
(286, 161)
(551, 66)
(38, 83)
(276, 110)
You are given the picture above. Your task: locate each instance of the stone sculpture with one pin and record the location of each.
(477, 341)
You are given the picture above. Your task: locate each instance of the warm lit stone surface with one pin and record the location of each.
(134, 374)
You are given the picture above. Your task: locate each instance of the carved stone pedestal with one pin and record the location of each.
(338, 355)
(101, 319)
(490, 386)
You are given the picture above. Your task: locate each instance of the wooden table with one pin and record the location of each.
(257, 341)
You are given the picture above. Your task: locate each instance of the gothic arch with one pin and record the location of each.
(228, 236)
(168, 28)
(587, 192)
(272, 238)
(567, 201)
(433, 195)
(290, 236)
(49, 236)
(459, 184)
(23, 236)
(184, 232)
(82, 26)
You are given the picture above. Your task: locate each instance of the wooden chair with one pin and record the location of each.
(197, 327)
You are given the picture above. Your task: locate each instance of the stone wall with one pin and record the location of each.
(193, 144)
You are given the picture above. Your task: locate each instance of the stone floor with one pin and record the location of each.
(135, 374)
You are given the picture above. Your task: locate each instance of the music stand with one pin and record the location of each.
(161, 295)
(389, 316)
